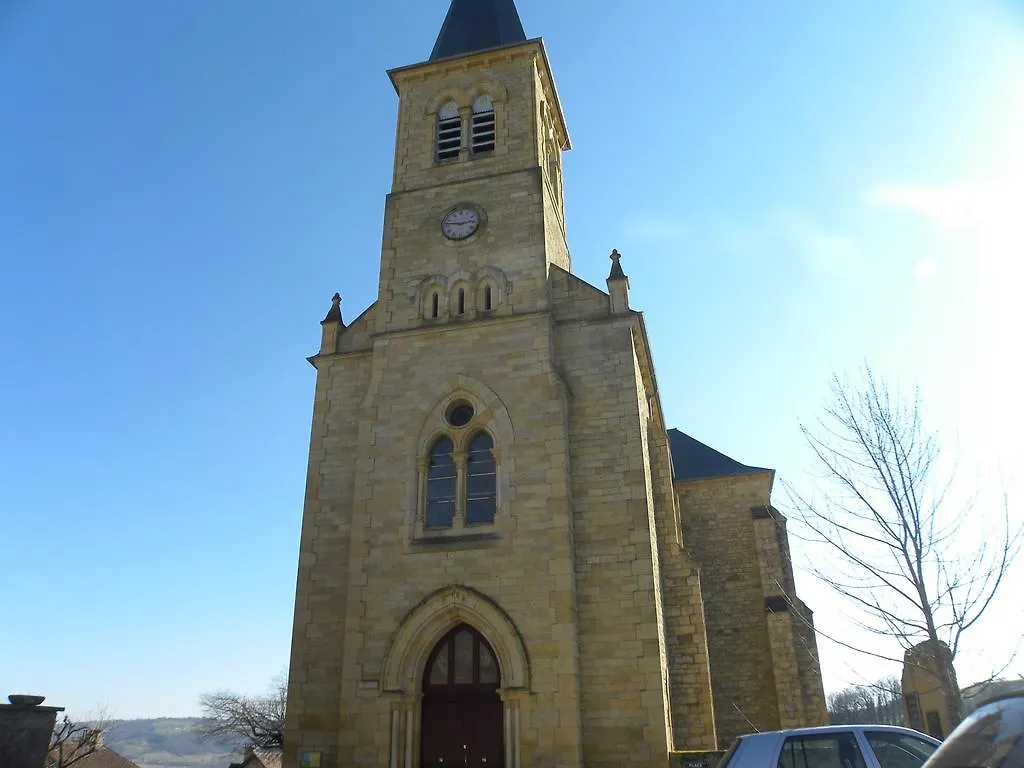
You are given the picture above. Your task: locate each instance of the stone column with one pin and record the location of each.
(404, 749)
(512, 705)
(461, 484)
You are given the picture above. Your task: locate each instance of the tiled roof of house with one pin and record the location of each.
(260, 758)
(105, 757)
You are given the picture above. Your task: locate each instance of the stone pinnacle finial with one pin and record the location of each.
(334, 315)
(616, 272)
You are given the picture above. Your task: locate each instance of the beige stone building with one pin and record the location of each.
(507, 558)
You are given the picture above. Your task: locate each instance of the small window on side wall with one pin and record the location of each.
(483, 125)
(435, 305)
(449, 132)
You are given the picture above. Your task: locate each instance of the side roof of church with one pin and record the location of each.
(692, 460)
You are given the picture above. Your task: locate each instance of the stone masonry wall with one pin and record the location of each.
(621, 679)
(319, 629)
(689, 669)
(507, 76)
(525, 568)
(719, 530)
(779, 592)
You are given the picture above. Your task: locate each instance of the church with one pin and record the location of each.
(507, 557)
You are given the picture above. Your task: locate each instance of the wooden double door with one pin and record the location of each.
(462, 715)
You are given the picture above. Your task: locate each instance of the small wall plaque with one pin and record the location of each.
(368, 685)
(310, 760)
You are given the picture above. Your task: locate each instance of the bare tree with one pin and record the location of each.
(880, 702)
(256, 721)
(906, 551)
(72, 741)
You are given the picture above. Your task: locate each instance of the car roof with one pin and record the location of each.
(841, 728)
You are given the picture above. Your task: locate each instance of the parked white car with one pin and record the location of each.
(834, 746)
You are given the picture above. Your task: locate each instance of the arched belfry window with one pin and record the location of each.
(483, 125)
(481, 476)
(449, 132)
(442, 480)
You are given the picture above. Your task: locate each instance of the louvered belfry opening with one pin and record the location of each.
(449, 132)
(483, 125)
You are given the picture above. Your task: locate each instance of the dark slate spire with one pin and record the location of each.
(476, 25)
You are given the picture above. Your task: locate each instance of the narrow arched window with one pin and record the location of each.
(462, 301)
(481, 485)
(441, 482)
(435, 305)
(488, 299)
(483, 125)
(449, 132)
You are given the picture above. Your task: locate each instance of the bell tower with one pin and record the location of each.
(477, 184)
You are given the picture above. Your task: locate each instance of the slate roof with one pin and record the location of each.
(476, 25)
(692, 460)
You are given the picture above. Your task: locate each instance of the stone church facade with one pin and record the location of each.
(506, 557)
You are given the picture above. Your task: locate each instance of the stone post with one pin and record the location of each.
(25, 730)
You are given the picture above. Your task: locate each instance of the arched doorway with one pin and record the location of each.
(461, 724)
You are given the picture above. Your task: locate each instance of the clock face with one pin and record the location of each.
(460, 223)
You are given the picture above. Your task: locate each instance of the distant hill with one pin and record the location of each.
(167, 742)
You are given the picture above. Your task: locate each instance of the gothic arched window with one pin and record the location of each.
(457, 475)
(462, 657)
(483, 125)
(442, 479)
(481, 480)
(449, 132)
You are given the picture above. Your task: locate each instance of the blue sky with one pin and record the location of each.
(795, 187)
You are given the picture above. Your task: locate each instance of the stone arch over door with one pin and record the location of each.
(412, 646)
(425, 625)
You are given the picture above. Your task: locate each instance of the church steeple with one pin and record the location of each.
(476, 25)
